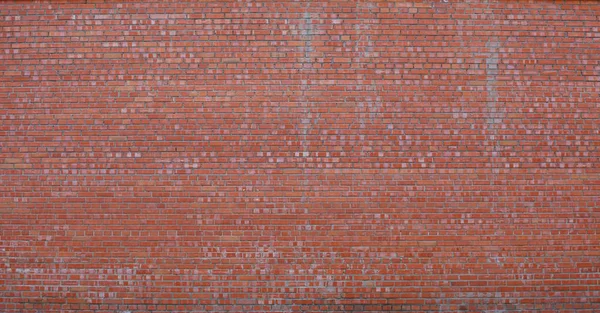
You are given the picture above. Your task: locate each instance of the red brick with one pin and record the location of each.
(436, 156)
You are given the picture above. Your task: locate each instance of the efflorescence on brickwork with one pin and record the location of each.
(300, 156)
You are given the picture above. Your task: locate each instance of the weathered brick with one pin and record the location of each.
(306, 156)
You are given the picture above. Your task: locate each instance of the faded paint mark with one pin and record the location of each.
(494, 118)
(491, 71)
(307, 35)
(307, 65)
(306, 122)
(370, 109)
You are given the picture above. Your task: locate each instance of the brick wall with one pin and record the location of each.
(300, 156)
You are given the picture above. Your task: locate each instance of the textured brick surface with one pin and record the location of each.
(300, 156)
